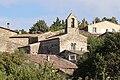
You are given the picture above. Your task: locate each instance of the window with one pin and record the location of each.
(72, 22)
(81, 49)
(73, 46)
(94, 29)
(72, 57)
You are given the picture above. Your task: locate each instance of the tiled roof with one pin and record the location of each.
(58, 62)
(8, 29)
(27, 35)
(46, 34)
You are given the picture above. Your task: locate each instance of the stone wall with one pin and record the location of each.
(101, 27)
(69, 23)
(4, 38)
(5, 34)
(74, 37)
(34, 48)
(69, 19)
(20, 41)
(50, 46)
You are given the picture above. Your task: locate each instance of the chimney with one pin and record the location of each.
(8, 25)
(94, 22)
(48, 58)
(20, 32)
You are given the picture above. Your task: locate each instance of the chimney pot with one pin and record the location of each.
(8, 24)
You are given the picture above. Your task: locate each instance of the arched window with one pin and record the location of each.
(73, 46)
(72, 22)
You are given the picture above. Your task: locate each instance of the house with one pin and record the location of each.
(58, 63)
(71, 55)
(5, 42)
(69, 39)
(102, 27)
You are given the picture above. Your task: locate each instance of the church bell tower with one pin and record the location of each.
(71, 23)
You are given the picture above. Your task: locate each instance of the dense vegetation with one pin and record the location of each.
(102, 62)
(57, 25)
(15, 66)
(112, 19)
(39, 27)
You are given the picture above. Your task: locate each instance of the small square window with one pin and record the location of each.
(72, 57)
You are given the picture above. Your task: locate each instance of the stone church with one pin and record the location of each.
(67, 43)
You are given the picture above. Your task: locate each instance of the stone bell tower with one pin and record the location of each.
(71, 23)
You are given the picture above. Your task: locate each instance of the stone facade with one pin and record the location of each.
(102, 27)
(71, 23)
(51, 46)
(5, 33)
(10, 40)
(57, 42)
(49, 43)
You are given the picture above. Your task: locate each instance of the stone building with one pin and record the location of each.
(59, 63)
(102, 27)
(5, 41)
(70, 39)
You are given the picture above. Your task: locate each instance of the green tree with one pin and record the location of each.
(113, 20)
(97, 20)
(57, 25)
(63, 24)
(22, 31)
(15, 66)
(102, 62)
(39, 27)
(83, 24)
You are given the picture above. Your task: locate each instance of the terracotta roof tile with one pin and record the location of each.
(58, 62)
(27, 35)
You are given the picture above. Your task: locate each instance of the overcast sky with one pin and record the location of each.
(24, 13)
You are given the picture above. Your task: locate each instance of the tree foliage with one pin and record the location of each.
(103, 60)
(112, 19)
(83, 24)
(15, 66)
(57, 25)
(39, 27)
(96, 20)
(22, 31)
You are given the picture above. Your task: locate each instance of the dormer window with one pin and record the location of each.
(72, 57)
